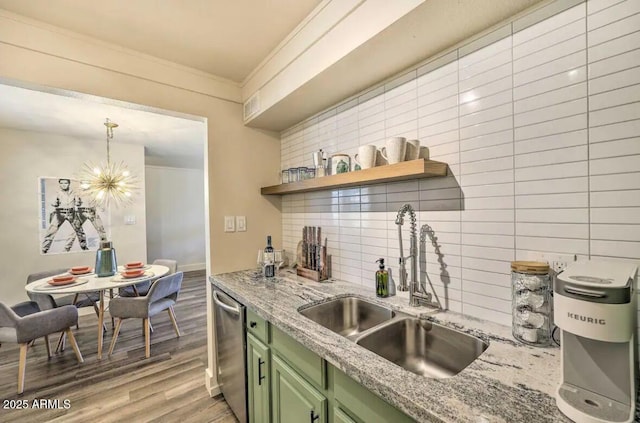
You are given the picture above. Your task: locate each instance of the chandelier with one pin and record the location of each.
(110, 182)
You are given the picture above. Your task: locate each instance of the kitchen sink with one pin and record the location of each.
(424, 348)
(348, 316)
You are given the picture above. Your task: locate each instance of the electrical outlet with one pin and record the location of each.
(558, 266)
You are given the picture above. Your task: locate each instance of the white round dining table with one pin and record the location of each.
(90, 282)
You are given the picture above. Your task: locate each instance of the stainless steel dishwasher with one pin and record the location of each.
(231, 350)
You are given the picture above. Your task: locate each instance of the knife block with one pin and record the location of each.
(315, 275)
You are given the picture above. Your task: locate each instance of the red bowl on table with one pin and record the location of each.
(132, 273)
(134, 265)
(62, 280)
(79, 270)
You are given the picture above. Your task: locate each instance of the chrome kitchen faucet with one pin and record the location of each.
(417, 295)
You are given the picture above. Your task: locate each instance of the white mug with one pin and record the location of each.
(394, 150)
(424, 153)
(413, 150)
(366, 156)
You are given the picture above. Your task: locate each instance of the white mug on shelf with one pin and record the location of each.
(413, 150)
(366, 156)
(394, 150)
(424, 153)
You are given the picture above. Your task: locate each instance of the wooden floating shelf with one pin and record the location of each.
(413, 169)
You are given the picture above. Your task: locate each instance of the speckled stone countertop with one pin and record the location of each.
(509, 382)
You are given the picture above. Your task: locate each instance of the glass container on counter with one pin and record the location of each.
(532, 313)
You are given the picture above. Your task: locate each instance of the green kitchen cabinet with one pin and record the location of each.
(294, 399)
(258, 380)
(340, 416)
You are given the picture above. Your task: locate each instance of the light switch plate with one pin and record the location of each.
(130, 219)
(229, 224)
(241, 223)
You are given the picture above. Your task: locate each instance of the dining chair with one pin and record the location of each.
(141, 289)
(22, 330)
(161, 296)
(47, 301)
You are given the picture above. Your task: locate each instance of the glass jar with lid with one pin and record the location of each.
(532, 313)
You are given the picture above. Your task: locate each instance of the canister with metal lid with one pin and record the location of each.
(531, 302)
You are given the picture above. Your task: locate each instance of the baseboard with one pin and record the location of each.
(192, 267)
(211, 383)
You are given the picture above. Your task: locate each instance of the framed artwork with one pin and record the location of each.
(69, 219)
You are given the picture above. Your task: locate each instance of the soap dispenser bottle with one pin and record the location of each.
(382, 280)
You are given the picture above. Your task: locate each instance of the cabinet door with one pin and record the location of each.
(294, 399)
(258, 380)
(340, 416)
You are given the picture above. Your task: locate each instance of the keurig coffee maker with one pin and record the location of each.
(595, 306)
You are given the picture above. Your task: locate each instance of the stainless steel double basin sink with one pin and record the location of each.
(417, 345)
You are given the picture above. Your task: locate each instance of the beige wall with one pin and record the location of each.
(26, 156)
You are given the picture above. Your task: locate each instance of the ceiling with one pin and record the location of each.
(225, 38)
(171, 141)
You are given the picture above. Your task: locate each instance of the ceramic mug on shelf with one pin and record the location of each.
(424, 153)
(366, 156)
(340, 163)
(413, 150)
(394, 150)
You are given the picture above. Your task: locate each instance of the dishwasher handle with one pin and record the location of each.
(229, 309)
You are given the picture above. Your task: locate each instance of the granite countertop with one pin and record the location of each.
(509, 382)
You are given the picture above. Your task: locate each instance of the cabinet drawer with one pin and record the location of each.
(362, 403)
(305, 361)
(257, 326)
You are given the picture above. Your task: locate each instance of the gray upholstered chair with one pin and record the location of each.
(162, 296)
(141, 289)
(47, 302)
(22, 330)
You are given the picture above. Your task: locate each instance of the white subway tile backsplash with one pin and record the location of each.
(560, 49)
(628, 198)
(553, 215)
(615, 232)
(550, 83)
(622, 181)
(556, 171)
(565, 94)
(627, 215)
(623, 164)
(487, 90)
(613, 30)
(497, 138)
(542, 201)
(551, 112)
(612, 14)
(553, 245)
(548, 25)
(531, 168)
(614, 47)
(594, 6)
(616, 248)
(615, 98)
(615, 114)
(486, 115)
(615, 131)
(546, 41)
(558, 126)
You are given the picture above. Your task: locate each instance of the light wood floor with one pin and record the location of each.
(168, 387)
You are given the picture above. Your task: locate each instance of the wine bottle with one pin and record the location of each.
(269, 262)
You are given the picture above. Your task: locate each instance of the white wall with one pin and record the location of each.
(26, 156)
(175, 216)
(541, 130)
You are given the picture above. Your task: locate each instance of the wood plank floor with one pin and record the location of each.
(126, 387)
